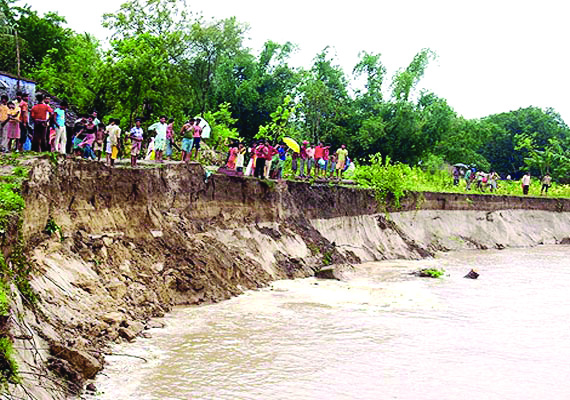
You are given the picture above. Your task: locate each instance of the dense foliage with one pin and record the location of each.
(164, 59)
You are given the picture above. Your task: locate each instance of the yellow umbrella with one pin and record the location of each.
(293, 145)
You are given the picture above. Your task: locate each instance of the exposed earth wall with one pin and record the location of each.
(133, 243)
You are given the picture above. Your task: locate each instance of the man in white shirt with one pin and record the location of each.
(160, 138)
(525, 183)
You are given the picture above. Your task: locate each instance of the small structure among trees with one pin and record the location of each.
(10, 84)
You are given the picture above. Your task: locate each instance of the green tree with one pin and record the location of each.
(209, 44)
(501, 148)
(42, 35)
(73, 79)
(371, 67)
(406, 80)
(221, 122)
(256, 87)
(280, 125)
(324, 99)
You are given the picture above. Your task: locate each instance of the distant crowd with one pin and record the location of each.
(482, 180)
(45, 128)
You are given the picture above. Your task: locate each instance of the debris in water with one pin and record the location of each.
(429, 273)
(473, 274)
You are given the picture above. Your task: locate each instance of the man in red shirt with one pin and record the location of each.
(260, 158)
(271, 151)
(40, 113)
(319, 152)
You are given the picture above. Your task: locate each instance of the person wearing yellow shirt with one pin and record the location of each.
(3, 120)
(342, 155)
(12, 126)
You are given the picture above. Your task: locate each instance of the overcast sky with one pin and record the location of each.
(493, 56)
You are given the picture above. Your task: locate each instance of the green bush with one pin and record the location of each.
(52, 227)
(4, 301)
(431, 273)
(10, 200)
(8, 366)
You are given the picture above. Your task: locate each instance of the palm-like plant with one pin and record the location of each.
(8, 26)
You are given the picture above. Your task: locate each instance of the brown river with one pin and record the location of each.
(384, 334)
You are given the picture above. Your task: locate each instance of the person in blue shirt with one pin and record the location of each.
(60, 129)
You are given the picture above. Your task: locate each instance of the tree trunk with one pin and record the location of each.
(17, 59)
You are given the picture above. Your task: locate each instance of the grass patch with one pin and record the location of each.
(8, 366)
(52, 227)
(327, 258)
(431, 273)
(314, 248)
(4, 301)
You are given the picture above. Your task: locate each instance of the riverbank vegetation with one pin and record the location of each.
(392, 180)
(163, 58)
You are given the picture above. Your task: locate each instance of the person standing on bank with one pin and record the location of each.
(342, 155)
(12, 126)
(136, 142)
(40, 114)
(160, 138)
(187, 133)
(60, 130)
(169, 138)
(260, 158)
(113, 139)
(546, 182)
(3, 122)
(24, 118)
(197, 138)
(525, 181)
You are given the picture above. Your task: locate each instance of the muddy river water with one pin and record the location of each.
(384, 334)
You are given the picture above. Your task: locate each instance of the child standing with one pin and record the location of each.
(332, 161)
(99, 140)
(240, 159)
(136, 141)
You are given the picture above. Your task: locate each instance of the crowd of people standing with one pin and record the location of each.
(46, 128)
(267, 160)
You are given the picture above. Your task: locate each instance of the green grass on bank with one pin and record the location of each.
(395, 180)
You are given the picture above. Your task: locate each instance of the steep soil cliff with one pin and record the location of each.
(135, 242)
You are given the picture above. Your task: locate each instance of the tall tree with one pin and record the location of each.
(324, 96)
(406, 80)
(209, 45)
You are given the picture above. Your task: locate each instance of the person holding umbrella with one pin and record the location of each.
(456, 176)
(294, 146)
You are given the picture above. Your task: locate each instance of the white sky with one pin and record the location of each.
(494, 56)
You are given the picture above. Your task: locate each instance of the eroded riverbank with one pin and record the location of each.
(135, 243)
